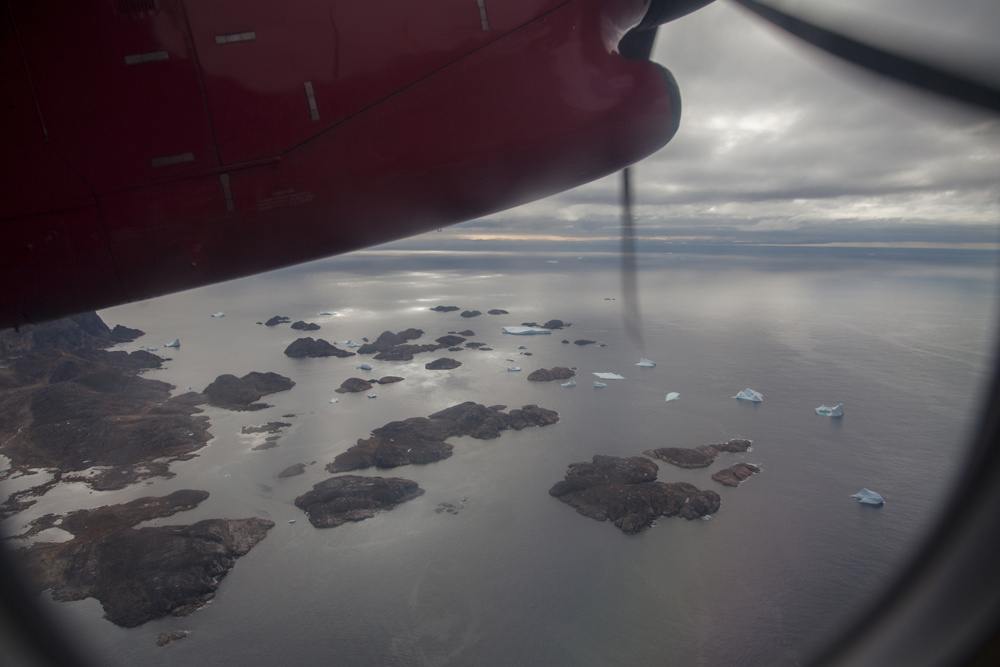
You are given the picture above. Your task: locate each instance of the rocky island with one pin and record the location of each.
(549, 374)
(233, 393)
(445, 309)
(625, 491)
(139, 574)
(736, 474)
(307, 347)
(443, 364)
(422, 439)
(699, 457)
(337, 500)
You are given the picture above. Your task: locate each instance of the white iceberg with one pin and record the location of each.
(152, 348)
(571, 383)
(218, 314)
(365, 367)
(372, 395)
(749, 394)
(351, 343)
(672, 396)
(522, 347)
(598, 385)
(335, 400)
(513, 368)
(646, 363)
(831, 412)
(341, 342)
(610, 376)
(867, 497)
(525, 331)
(174, 343)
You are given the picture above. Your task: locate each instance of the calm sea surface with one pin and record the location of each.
(904, 340)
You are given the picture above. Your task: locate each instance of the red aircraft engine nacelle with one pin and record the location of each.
(158, 145)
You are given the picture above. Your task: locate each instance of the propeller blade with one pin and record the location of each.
(630, 291)
(901, 68)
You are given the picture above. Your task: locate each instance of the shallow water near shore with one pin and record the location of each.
(516, 577)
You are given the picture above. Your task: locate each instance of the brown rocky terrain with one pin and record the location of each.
(549, 374)
(87, 330)
(353, 385)
(292, 470)
(233, 393)
(498, 311)
(139, 574)
(337, 500)
(307, 347)
(422, 440)
(734, 475)
(305, 326)
(390, 379)
(391, 346)
(625, 491)
(445, 309)
(276, 320)
(470, 313)
(701, 456)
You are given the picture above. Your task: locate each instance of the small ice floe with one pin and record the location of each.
(513, 368)
(227, 475)
(831, 412)
(525, 331)
(571, 383)
(522, 347)
(188, 388)
(866, 497)
(365, 367)
(291, 521)
(672, 396)
(610, 376)
(341, 342)
(335, 400)
(174, 343)
(646, 363)
(218, 314)
(749, 394)
(372, 395)
(152, 348)
(598, 385)
(552, 261)
(351, 343)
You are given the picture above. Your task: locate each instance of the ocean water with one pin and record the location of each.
(904, 339)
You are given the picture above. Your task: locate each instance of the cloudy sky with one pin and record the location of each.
(781, 143)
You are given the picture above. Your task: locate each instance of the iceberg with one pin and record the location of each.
(866, 497)
(152, 348)
(335, 400)
(365, 367)
(831, 412)
(513, 368)
(610, 376)
(672, 396)
(174, 343)
(351, 343)
(525, 331)
(571, 383)
(598, 385)
(372, 395)
(341, 342)
(646, 363)
(749, 394)
(522, 347)
(218, 314)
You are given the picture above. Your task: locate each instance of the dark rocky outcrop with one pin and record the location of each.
(470, 313)
(292, 470)
(450, 341)
(444, 363)
(337, 500)
(389, 379)
(549, 374)
(233, 393)
(73, 410)
(701, 456)
(584, 341)
(410, 334)
(277, 319)
(165, 638)
(86, 330)
(475, 344)
(139, 574)
(307, 347)
(269, 427)
(445, 309)
(555, 324)
(353, 385)
(467, 332)
(422, 440)
(391, 346)
(498, 311)
(735, 474)
(305, 326)
(565, 342)
(625, 491)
